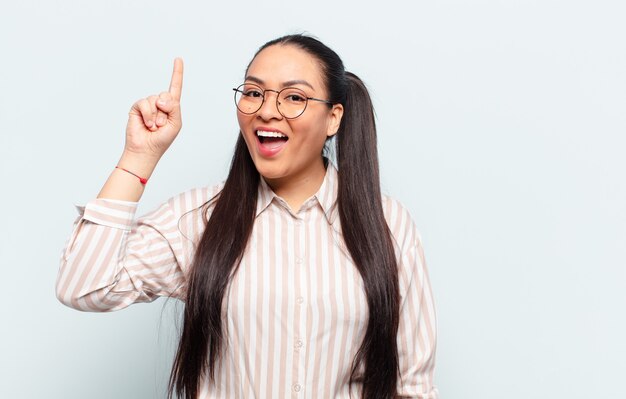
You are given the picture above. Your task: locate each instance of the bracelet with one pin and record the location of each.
(143, 180)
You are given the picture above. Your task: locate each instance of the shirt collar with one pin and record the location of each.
(326, 196)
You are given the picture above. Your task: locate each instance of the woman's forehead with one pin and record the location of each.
(285, 65)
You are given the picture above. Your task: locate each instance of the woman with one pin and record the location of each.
(299, 279)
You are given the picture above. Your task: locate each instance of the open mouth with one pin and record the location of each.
(271, 140)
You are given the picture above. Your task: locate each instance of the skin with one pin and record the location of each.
(297, 171)
(153, 124)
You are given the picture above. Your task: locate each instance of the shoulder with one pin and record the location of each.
(407, 242)
(404, 232)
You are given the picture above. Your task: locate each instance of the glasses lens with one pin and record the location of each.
(248, 98)
(292, 102)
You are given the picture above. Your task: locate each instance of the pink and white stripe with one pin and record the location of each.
(295, 310)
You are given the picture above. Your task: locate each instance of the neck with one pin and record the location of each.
(297, 189)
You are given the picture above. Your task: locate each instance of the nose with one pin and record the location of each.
(269, 108)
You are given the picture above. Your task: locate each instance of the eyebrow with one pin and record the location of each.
(285, 84)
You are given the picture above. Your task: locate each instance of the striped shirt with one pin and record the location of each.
(295, 310)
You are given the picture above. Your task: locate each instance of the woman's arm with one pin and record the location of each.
(417, 330)
(417, 327)
(111, 261)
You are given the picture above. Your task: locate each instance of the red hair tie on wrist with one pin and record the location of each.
(143, 180)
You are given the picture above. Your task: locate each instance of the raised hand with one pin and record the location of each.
(154, 121)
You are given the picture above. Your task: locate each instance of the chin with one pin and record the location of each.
(269, 169)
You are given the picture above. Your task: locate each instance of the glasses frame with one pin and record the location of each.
(238, 90)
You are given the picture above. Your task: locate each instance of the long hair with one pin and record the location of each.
(364, 228)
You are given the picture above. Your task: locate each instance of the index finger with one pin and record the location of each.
(176, 84)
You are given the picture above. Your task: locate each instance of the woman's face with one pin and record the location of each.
(296, 157)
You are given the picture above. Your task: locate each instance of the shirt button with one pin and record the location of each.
(300, 300)
(296, 387)
(299, 261)
(299, 344)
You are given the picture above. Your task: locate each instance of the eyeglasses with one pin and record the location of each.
(290, 101)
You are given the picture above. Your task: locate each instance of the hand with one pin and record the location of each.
(154, 121)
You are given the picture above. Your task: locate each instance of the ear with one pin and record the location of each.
(336, 113)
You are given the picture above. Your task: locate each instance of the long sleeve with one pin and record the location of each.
(111, 261)
(417, 328)
(417, 331)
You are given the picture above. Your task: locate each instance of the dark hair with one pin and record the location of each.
(365, 233)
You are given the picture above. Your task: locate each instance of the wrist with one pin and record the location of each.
(138, 164)
(142, 180)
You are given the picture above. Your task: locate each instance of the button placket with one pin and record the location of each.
(298, 260)
(299, 254)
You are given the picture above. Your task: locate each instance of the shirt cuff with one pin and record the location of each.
(109, 212)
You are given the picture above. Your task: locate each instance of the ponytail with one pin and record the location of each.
(368, 239)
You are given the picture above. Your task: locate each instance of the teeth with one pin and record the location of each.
(269, 134)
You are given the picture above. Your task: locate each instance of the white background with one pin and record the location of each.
(501, 127)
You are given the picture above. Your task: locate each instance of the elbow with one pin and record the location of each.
(72, 294)
(62, 289)
(66, 298)
(75, 299)
(88, 300)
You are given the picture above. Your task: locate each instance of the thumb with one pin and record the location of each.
(170, 106)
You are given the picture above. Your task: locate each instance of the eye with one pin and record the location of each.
(252, 92)
(294, 96)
